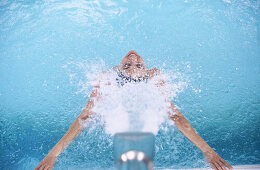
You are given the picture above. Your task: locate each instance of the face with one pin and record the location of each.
(133, 65)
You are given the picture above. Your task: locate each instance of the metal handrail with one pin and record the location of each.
(134, 155)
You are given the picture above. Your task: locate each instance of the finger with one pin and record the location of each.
(213, 166)
(40, 164)
(46, 168)
(227, 164)
(217, 165)
(42, 167)
(221, 165)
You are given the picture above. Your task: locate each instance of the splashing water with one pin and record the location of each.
(134, 107)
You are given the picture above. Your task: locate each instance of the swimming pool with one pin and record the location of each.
(47, 48)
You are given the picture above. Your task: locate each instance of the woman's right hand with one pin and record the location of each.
(47, 163)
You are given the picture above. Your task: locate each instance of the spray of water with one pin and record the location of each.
(133, 107)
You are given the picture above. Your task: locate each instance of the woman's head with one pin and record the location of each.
(133, 65)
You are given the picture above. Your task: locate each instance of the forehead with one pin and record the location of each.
(132, 58)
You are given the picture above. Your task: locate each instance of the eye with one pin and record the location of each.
(138, 65)
(127, 65)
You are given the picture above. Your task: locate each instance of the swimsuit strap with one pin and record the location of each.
(122, 79)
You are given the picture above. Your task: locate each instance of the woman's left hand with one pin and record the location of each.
(216, 161)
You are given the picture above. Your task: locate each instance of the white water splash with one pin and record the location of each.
(134, 107)
(138, 107)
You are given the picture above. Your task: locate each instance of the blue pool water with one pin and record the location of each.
(48, 47)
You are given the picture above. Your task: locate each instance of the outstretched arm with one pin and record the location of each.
(184, 126)
(49, 161)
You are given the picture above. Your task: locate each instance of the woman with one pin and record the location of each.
(133, 69)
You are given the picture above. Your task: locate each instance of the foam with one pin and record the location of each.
(138, 107)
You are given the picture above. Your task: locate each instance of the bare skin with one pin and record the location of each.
(133, 66)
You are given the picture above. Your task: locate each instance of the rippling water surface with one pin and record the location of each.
(51, 50)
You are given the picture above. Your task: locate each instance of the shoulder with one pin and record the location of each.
(152, 72)
(157, 76)
(105, 78)
(116, 68)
